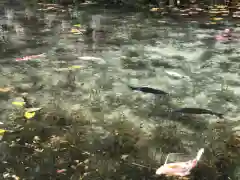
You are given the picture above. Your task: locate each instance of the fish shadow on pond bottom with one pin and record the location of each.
(165, 111)
(191, 121)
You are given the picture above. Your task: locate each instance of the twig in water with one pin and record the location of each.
(143, 166)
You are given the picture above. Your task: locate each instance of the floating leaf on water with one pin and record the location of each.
(154, 9)
(222, 10)
(92, 59)
(51, 8)
(221, 6)
(214, 9)
(225, 12)
(174, 74)
(217, 18)
(160, 21)
(74, 30)
(61, 69)
(213, 12)
(77, 25)
(2, 131)
(124, 156)
(6, 175)
(36, 138)
(33, 109)
(199, 9)
(236, 16)
(183, 10)
(67, 69)
(15, 177)
(29, 115)
(75, 67)
(78, 33)
(6, 89)
(38, 150)
(193, 12)
(184, 14)
(16, 103)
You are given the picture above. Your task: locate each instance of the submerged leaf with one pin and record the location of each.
(29, 115)
(77, 25)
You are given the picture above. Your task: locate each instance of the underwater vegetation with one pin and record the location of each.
(57, 144)
(83, 125)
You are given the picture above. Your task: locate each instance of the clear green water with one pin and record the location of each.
(178, 57)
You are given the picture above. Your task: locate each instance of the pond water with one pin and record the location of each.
(89, 71)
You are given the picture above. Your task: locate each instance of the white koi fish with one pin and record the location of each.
(179, 168)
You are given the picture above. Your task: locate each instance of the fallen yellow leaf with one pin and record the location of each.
(29, 115)
(154, 9)
(75, 67)
(212, 23)
(217, 18)
(77, 25)
(18, 103)
(74, 30)
(2, 131)
(50, 8)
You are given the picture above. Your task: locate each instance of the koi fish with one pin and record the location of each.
(26, 58)
(226, 35)
(148, 90)
(179, 168)
(222, 38)
(198, 111)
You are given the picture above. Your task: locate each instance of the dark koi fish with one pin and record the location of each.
(148, 90)
(198, 111)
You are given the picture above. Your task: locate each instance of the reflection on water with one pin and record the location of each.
(86, 71)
